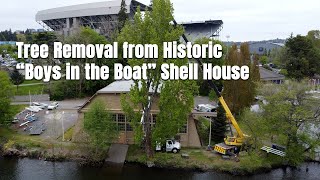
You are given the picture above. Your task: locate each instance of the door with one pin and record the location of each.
(169, 146)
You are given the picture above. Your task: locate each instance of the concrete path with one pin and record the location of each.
(117, 153)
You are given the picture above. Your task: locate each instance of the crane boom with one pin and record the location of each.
(233, 141)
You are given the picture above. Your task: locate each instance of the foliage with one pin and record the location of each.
(263, 60)
(8, 35)
(302, 58)
(16, 78)
(287, 117)
(236, 99)
(5, 99)
(254, 69)
(219, 124)
(82, 87)
(204, 88)
(175, 104)
(155, 27)
(122, 15)
(99, 124)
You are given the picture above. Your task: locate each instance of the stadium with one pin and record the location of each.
(103, 17)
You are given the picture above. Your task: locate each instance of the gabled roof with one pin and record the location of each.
(267, 75)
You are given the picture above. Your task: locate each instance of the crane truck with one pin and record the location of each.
(231, 143)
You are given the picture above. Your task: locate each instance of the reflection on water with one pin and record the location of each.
(31, 169)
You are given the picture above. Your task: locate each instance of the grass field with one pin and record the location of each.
(33, 89)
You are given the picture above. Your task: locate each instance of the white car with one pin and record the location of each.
(53, 106)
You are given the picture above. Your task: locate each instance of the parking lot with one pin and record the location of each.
(53, 122)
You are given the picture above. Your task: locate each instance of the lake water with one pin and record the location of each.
(32, 169)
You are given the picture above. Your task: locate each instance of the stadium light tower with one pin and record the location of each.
(228, 36)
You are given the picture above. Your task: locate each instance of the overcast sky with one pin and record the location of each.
(244, 20)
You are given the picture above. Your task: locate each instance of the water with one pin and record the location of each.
(31, 169)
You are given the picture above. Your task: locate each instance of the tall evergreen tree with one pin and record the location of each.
(219, 128)
(16, 78)
(122, 15)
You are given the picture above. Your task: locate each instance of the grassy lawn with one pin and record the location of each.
(18, 108)
(68, 134)
(34, 89)
(32, 81)
(206, 160)
(22, 141)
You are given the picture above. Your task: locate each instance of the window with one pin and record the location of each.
(121, 118)
(154, 118)
(128, 127)
(114, 117)
(121, 126)
(183, 129)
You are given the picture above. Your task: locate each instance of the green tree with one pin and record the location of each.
(254, 70)
(82, 87)
(239, 94)
(5, 99)
(287, 119)
(100, 126)
(204, 89)
(263, 60)
(155, 27)
(314, 36)
(219, 125)
(122, 15)
(16, 78)
(302, 58)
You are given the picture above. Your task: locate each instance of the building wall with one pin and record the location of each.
(113, 104)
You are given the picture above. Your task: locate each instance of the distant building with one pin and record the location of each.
(263, 47)
(270, 76)
(19, 32)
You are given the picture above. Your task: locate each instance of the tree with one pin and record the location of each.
(239, 94)
(204, 89)
(82, 87)
(155, 27)
(100, 126)
(302, 58)
(219, 125)
(255, 70)
(122, 15)
(5, 99)
(289, 117)
(314, 36)
(16, 78)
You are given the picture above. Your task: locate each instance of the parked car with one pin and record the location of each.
(206, 108)
(53, 106)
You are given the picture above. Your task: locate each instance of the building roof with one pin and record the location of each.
(122, 86)
(267, 75)
(89, 9)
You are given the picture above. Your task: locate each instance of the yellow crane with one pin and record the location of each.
(230, 142)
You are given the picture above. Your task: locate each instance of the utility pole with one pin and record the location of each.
(210, 132)
(62, 125)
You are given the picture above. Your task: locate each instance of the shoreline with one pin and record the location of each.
(43, 155)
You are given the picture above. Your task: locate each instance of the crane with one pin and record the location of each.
(230, 142)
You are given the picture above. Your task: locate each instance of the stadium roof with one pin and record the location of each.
(89, 9)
